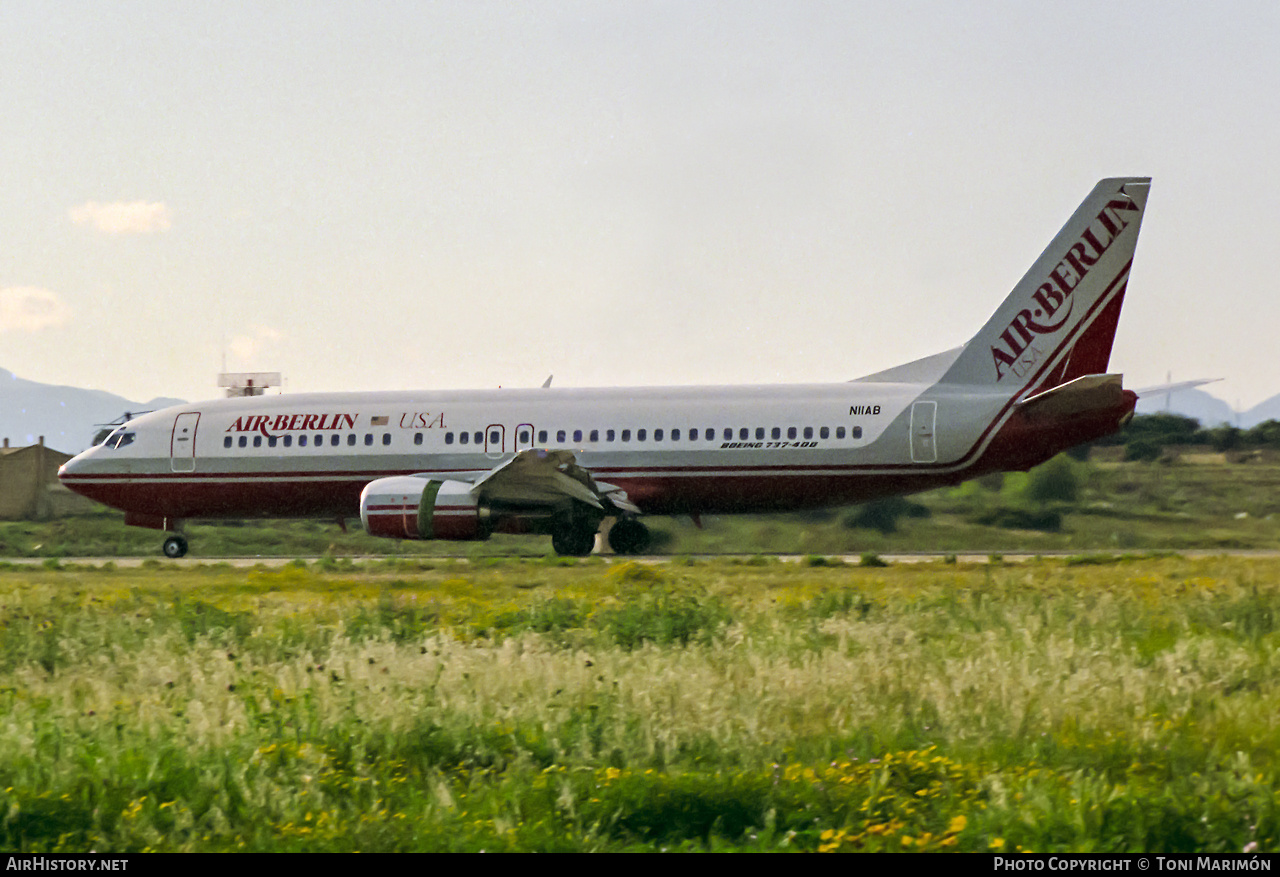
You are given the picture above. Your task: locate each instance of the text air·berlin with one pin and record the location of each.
(1055, 292)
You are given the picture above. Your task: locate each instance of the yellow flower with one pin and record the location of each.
(997, 844)
(957, 824)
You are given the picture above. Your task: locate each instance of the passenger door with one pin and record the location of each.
(924, 446)
(182, 444)
(495, 440)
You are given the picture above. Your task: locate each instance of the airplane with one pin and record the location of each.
(461, 465)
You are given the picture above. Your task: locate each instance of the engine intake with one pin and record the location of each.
(406, 507)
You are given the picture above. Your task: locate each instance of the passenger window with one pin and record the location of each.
(577, 435)
(560, 436)
(857, 432)
(335, 439)
(744, 434)
(368, 439)
(479, 437)
(319, 441)
(759, 432)
(791, 432)
(386, 438)
(657, 435)
(542, 436)
(351, 440)
(675, 435)
(464, 437)
(288, 441)
(257, 441)
(302, 441)
(226, 442)
(608, 435)
(641, 435)
(495, 439)
(244, 442)
(825, 432)
(693, 435)
(524, 436)
(840, 432)
(271, 441)
(417, 438)
(626, 435)
(808, 432)
(595, 435)
(776, 433)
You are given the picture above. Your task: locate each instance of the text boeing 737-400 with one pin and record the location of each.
(462, 465)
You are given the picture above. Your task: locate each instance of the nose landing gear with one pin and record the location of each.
(175, 546)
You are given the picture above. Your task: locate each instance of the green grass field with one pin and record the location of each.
(1087, 704)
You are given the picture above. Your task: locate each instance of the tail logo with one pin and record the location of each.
(1055, 293)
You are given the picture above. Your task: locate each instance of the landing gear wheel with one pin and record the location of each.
(175, 547)
(629, 536)
(573, 542)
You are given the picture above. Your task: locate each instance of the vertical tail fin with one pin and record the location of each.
(1059, 322)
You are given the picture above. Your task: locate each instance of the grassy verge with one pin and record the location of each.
(427, 704)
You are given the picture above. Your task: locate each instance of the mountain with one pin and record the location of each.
(1209, 410)
(1268, 409)
(67, 417)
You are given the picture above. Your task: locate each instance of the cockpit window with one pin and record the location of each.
(119, 438)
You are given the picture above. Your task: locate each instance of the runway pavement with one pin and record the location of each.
(968, 557)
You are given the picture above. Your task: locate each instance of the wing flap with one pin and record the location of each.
(538, 477)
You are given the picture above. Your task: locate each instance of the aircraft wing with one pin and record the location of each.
(1174, 387)
(1084, 394)
(548, 477)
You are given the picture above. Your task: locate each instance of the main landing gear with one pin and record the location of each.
(573, 541)
(629, 536)
(577, 537)
(175, 546)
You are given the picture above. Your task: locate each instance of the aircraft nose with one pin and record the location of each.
(74, 466)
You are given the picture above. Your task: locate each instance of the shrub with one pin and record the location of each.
(1014, 518)
(665, 619)
(1224, 438)
(1141, 450)
(1054, 481)
(883, 514)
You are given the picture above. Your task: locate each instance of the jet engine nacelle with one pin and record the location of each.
(405, 507)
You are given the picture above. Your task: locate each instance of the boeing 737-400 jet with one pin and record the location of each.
(463, 465)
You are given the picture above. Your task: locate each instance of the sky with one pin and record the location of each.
(432, 195)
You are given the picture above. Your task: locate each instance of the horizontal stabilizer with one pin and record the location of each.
(1080, 396)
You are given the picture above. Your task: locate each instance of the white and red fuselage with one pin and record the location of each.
(1029, 385)
(691, 450)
